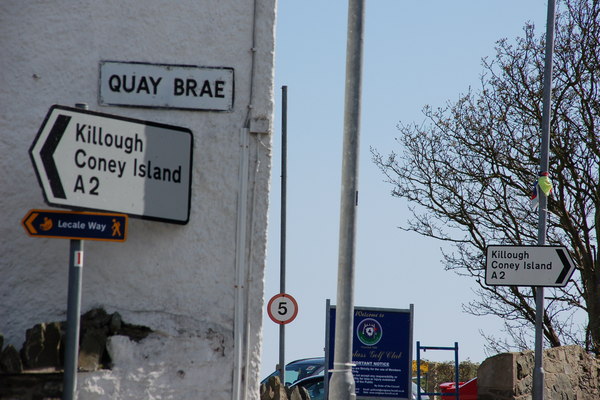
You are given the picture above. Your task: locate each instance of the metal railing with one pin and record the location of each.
(456, 371)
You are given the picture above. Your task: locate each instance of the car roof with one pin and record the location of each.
(312, 360)
(314, 364)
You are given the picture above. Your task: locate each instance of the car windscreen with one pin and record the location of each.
(301, 370)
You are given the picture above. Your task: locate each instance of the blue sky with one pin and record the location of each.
(416, 53)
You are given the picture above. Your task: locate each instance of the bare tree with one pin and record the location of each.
(469, 169)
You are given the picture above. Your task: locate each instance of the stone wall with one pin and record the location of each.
(570, 374)
(274, 390)
(35, 370)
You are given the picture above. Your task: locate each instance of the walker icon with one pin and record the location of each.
(116, 228)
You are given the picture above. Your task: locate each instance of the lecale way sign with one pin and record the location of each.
(548, 266)
(76, 225)
(89, 160)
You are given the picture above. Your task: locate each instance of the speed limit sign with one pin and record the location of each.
(282, 308)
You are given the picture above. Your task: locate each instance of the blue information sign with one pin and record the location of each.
(381, 351)
(76, 225)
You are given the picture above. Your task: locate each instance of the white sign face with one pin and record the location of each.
(103, 162)
(166, 86)
(528, 266)
(282, 308)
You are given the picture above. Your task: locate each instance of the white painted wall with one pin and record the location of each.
(178, 280)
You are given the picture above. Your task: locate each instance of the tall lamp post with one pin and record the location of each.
(341, 386)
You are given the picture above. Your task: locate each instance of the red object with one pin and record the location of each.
(466, 390)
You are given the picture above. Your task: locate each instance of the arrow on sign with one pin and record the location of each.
(47, 155)
(28, 222)
(550, 266)
(568, 267)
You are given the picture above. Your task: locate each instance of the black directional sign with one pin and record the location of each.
(95, 161)
(76, 225)
(549, 266)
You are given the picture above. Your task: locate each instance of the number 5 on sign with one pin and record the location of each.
(282, 308)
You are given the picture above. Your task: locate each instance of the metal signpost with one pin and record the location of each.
(95, 161)
(283, 235)
(533, 266)
(73, 318)
(89, 160)
(552, 266)
(548, 266)
(538, 371)
(75, 226)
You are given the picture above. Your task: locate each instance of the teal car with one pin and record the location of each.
(301, 369)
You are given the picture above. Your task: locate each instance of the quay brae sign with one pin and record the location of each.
(103, 162)
(166, 86)
(528, 266)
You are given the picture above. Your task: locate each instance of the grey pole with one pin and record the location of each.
(342, 385)
(73, 319)
(538, 372)
(73, 312)
(283, 224)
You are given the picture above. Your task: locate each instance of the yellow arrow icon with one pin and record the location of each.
(29, 223)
